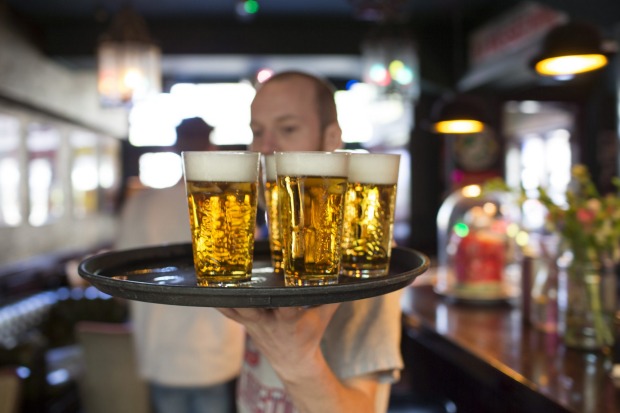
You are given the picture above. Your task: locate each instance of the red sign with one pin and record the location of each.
(523, 26)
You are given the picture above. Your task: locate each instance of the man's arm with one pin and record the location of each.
(290, 338)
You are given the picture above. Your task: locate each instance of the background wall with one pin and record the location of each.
(35, 89)
(30, 78)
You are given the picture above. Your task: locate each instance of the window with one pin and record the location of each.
(539, 153)
(84, 173)
(10, 174)
(44, 183)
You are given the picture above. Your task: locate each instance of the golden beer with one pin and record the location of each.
(369, 215)
(311, 188)
(222, 202)
(273, 215)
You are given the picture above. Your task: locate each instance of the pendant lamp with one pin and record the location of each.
(570, 49)
(460, 114)
(128, 62)
(390, 61)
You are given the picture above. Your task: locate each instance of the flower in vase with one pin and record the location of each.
(587, 221)
(589, 226)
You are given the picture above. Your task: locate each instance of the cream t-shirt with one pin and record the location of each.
(362, 338)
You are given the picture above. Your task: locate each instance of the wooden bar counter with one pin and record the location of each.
(484, 358)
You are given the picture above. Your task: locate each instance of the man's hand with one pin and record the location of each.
(289, 337)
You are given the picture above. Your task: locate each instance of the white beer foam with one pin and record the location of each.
(335, 164)
(221, 166)
(374, 168)
(270, 167)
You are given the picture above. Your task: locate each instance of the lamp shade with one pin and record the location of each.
(128, 62)
(459, 114)
(570, 49)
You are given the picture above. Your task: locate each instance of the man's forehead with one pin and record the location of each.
(288, 89)
(293, 82)
(278, 118)
(281, 99)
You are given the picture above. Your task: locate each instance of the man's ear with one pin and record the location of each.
(332, 137)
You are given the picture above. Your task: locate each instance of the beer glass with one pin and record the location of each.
(271, 207)
(222, 191)
(311, 188)
(369, 214)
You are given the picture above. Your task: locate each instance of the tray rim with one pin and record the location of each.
(250, 296)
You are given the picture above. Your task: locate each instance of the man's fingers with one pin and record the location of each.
(244, 315)
(229, 312)
(255, 315)
(328, 310)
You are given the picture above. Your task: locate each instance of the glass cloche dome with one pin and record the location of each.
(477, 253)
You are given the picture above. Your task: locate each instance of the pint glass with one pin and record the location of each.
(222, 189)
(311, 187)
(271, 206)
(369, 214)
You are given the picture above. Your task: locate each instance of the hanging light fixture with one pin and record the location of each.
(570, 49)
(389, 56)
(129, 63)
(459, 114)
(390, 61)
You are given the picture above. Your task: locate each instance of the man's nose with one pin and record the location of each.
(267, 144)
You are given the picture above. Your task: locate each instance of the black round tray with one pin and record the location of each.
(165, 274)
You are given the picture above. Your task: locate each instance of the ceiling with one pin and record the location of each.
(205, 40)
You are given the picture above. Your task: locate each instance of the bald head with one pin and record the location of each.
(322, 94)
(295, 111)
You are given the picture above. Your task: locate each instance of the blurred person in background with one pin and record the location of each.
(329, 358)
(189, 356)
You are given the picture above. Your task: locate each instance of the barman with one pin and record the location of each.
(330, 358)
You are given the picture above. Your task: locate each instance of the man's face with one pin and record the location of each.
(285, 117)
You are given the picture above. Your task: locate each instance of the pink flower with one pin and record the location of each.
(585, 216)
